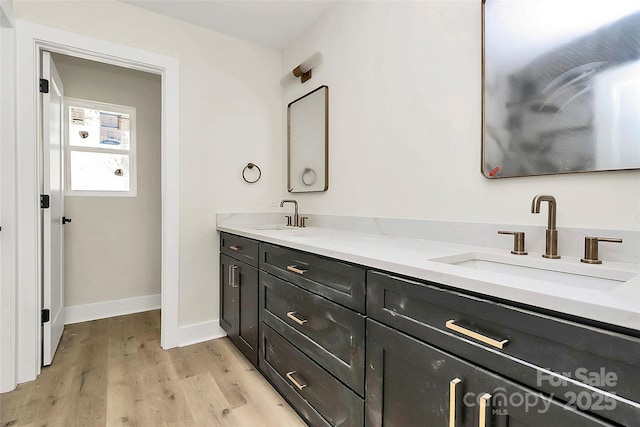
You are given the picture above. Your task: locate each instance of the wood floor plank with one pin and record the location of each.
(269, 408)
(209, 405)
(89, 386)
(125, 397)
(122, 340)
(228, 371)
(12, 404)
(165, 403)
(113, 372)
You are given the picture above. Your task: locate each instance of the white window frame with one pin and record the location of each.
(133, 169)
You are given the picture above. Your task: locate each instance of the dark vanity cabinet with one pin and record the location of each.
(410, 383)
(350, 346)
(239, 293)
(313, 334)
(535, 369)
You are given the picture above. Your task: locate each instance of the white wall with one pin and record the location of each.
(7, 198)
(405, 122)
(229, 116)
(405, 86)
(112, 245)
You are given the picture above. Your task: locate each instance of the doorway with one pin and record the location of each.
(31, 40)
(112, 199)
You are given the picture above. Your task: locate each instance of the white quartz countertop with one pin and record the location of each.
(616, 304)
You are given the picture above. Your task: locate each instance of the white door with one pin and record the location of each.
(52, 231)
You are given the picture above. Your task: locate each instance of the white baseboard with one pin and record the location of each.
(102, 310)
(187, 335)
(199, 332)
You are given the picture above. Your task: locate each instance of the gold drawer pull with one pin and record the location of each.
(484, 406)
(299, 386)
(292, 315)
(235, 248)
(453, 400)
(295, 269)
(451, 324)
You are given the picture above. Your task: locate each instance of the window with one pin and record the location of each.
(101, 150)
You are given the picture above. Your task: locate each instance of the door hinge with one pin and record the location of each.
(44, 201)
(44, 85)
(46, 314)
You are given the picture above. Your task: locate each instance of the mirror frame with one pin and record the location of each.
(485, 169)
(290, 142)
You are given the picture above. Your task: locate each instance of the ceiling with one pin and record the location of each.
(272, 23)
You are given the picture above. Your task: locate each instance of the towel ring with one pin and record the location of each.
(309, 177)
(251, 166)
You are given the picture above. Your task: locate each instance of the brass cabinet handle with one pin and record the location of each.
(232, 276)
(235, 248)
(295, 269)
(298, 385)
(451, 324)
(484, 406)
(292, 315)
(453, 399)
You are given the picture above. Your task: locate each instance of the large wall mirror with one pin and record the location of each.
(561, 86)
(308, 142)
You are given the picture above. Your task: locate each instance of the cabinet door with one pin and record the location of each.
(246, 281)
(239, 305)
(410, 383)
(228, 297)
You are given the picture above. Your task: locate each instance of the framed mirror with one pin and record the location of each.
(561, 86)
(308, 142)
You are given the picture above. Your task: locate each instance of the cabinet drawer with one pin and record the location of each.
(328, 333)
(239, 248)
(319, 397)
(340, 282)
(579, 357)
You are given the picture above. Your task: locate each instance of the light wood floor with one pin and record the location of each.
(113, 372)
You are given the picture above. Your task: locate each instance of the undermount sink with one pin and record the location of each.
(594, 277)
(272, 227)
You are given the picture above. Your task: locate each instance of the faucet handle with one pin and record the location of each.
(303, 221)
(591, 248)
(289, 223)
(518, 241)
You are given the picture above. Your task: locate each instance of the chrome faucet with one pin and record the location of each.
(551, 247)
(296, 217)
